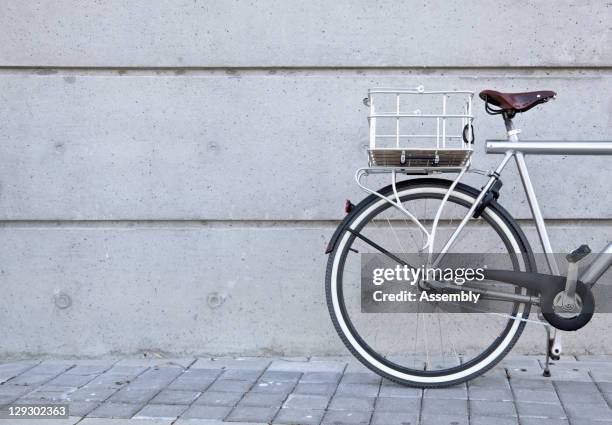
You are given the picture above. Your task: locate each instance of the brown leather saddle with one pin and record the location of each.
(511, 103)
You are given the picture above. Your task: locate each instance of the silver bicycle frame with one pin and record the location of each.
(514, 147)
(510, 148)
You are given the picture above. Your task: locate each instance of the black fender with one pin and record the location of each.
(347, 219)
(388, 189)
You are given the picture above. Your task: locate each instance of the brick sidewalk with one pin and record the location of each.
(305, 391)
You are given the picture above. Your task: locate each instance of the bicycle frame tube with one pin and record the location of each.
(470, 213)
(598, 266)
(531, 198)
(512, 147)
(551, 147)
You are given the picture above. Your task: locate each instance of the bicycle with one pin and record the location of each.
(441, 216)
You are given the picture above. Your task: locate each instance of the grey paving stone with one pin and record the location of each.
(487, 381)
(531, 384)
(20, 365)
(492, 408)
(532, 373)
(394, 418)
(605, 387)
(82, 408)
(295, 358)
(298, 417)
(126, 370)
(520, 362)
(108, 382)
(356, 366)
(30, 379)
(352, 403)
(156, 378)
(9, 390)
(50, 368)
(273, 387)
(195, 379)
(601, 375)
(432, 407)
(89, 369)
(217, 398)
(315, 389)
(571, 375)
(457, 392)
(536, 396)
(240, 374)
(360, 378)
(579, 392)
(252, 414)
(496, 372)
(67, 380)
(583, 421)
(444, 420)
(105, 421)
(10, 370)
(118, 375)
(493, 394)
(360, 390)
(69, 421)
(263, 399)
(321, 377)
(95, 393)
(394, 390)
(231, 386)
(573, 388)
(252, 363)
(581, 397)
(337, 417)
(280, 376)
(177, 362)
(540, 410)
(48, 395)
(576, 365)
(191, 384)
(488, 420)
(305, 401)
(133, 396)
(595, 358)
(175, 397)
(548, 421)
(6, 400)
(201, 374)
(304, 367)
(598, 411)
(397, 404)
(115, 410)
(160, 411)
(207, 412)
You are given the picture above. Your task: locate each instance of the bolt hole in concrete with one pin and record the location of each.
(62, 300)
(215, 299)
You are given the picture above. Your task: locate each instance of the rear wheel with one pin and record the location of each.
(418, 348)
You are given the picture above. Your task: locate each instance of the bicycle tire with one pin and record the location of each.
(499, 348)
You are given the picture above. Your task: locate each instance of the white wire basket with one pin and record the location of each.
(415, 129)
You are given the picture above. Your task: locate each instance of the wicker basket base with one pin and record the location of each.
(419, 157)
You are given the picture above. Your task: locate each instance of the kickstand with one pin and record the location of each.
(549, 344)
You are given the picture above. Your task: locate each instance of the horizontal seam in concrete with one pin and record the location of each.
(170, 223)
(232, 70)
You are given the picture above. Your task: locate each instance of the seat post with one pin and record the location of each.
(512, 132)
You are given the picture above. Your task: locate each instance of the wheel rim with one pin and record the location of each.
(385, 365)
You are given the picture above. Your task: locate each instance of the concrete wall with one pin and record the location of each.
(155, 154)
